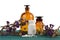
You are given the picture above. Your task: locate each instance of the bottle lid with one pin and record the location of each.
(27, 7)
(39, 17)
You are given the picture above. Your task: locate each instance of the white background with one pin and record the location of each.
(12, 9)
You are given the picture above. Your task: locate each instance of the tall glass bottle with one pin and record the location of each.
(39, 25)
(27, 15)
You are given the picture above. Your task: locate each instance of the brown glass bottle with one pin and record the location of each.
(39, 25)
(27, 16)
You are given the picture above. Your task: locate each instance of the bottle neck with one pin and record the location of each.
(26, 11)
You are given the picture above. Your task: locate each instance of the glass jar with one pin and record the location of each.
(39, 24)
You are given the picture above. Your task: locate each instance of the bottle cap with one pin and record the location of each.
(39, 17)
(27, 7)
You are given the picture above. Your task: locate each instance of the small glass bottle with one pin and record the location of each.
(31, 27)
(27, 15)
(39, 25)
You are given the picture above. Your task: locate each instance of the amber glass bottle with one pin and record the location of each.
(39, 25)
(27, 16)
